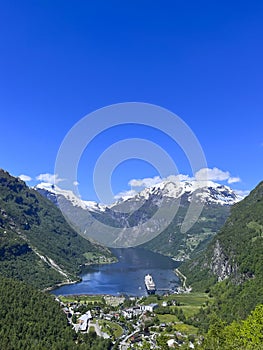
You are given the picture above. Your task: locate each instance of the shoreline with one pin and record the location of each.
(171, 287)
(86, 265)
(49, 289)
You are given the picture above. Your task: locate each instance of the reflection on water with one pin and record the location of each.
(127, 275)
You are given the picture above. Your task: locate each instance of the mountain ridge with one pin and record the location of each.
(135, 220)
(222, 194)
(36, 243)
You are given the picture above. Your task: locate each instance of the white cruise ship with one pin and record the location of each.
(149, 284)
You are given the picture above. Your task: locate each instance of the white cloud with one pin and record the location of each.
(232, 180)
(139, 184)
(146, 182)
(151, 181)
(25, 177)
(125, 194)
(214, 174)
(49, 178)
(180, 177)
(205, 174)
(75, 183)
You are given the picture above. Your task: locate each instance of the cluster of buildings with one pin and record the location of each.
(135, 316)
(82, 320)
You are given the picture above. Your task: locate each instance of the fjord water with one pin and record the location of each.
(127, 275)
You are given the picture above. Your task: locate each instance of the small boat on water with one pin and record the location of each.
(149, 284)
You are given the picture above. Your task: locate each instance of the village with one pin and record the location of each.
(152, 322)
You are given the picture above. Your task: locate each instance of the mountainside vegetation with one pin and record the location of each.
(33, 320)
(36, 243)
(231, 267)
(37, 246)
(239, 335)
(181, 246)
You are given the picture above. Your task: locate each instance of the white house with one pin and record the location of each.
(149, 307)
(84, 320)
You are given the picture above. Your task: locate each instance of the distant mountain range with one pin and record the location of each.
(211, 193)
(207, 192)
(147, 218)
(36, 243)
(222, 253)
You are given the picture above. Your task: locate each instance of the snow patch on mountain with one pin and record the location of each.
(70, 196)
(208, 192)
(205, 191)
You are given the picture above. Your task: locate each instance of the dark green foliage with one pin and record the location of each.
(30, 319)
(245, 335)
(31, 224)
(33, 320)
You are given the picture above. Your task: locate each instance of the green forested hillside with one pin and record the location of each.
(36, 243)
(173, 242)
(242, 335)
(231, 267)
(33, 320)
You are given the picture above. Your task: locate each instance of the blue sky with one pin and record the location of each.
(202, 60)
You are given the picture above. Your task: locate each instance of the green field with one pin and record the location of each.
(191, 299)
(111, 328)
(167, 318)
(186, 329)
(194, 299)
(82, 299)
(189, 303)
(192, 302)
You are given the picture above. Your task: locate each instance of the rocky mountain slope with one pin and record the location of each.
(36, 243)
(152, 218)
(231, 266)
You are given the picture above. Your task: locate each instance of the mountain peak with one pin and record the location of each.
(204, 191)
(71, 196)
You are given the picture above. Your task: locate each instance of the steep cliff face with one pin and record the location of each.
(232, 263)
(220, 264)
(236, 251)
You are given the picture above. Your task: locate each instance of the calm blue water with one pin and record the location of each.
(126, 276)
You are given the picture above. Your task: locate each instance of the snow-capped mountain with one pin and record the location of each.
(203, 191)
(53, 191)
(132, 221)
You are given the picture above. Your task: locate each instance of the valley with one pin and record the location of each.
(220, 271)
(131, 175)
(151, 219)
